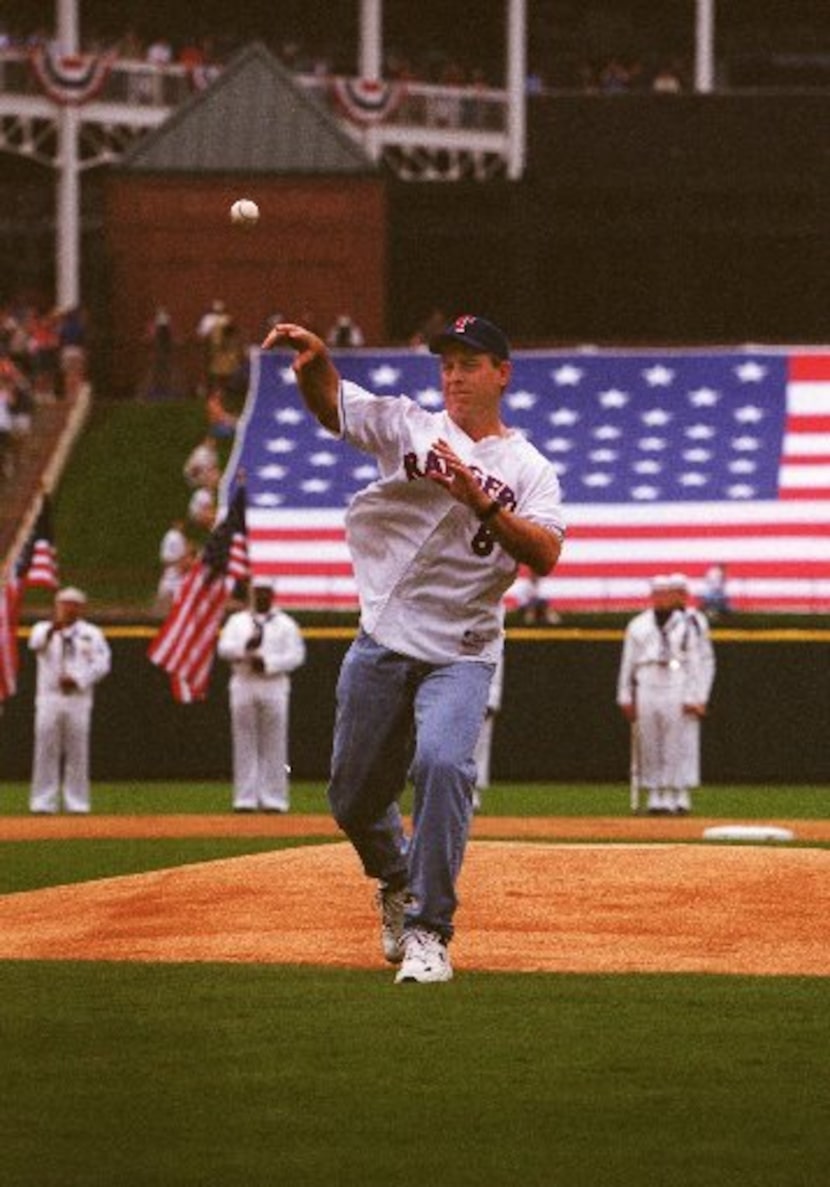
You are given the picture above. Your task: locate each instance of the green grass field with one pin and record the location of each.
(122, 488)
(205, 1074)
(799, 801)
(202, 1074)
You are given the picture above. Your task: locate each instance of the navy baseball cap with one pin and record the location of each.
(474, 332)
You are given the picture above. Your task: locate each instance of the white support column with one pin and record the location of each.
(68, 237)
(704, 46)
(68, 215)
(370, 54)
(516, 87)
(66, 24)
(370, 61)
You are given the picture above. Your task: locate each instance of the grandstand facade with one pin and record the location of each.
(644, 217)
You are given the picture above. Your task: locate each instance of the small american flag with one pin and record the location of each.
(185, 644)
(668, 460)
(36, 565)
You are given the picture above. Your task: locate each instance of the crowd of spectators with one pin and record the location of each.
(42, 359)
(220, 388)
(620, 75)
(613, 46)
(205, 57)
(187, 531)
(599, 52)
(565, 38)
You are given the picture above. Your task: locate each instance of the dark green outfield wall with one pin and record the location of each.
(770, 713)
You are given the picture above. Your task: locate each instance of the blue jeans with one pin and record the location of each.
(396, 717)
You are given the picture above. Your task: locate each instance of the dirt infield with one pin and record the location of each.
(577, 907)
(561, 828)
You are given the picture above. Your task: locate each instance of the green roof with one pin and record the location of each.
(255, 118)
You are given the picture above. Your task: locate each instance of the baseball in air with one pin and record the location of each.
(245, 213)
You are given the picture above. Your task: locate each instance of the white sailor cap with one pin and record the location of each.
(71, 594)
(661, 582)
(678, 581)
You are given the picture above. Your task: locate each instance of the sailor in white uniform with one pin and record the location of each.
(665, 679)
(72, 656)
(263, 646)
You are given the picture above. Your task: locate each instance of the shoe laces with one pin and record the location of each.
(424, 945)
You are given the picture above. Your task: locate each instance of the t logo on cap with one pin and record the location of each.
(476, 333)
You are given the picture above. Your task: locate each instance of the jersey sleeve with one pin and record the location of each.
(541, 503)
(371, 423)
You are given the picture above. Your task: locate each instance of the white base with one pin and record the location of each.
(748, 832)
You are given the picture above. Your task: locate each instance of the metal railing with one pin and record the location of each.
(133, 83)
(426, 131)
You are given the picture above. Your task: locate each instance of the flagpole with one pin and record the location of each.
(371, 39)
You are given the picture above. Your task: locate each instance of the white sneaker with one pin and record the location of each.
(658, 804)
(425, 957)
(392, 904)
(682, 803)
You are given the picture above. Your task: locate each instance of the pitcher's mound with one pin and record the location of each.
(525, 907)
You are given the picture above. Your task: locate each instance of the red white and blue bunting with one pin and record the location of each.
(366, 100)
(70, 79)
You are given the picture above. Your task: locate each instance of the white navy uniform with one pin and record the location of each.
(63, 718)
(259, 702)
(458, 612)
(661, 670)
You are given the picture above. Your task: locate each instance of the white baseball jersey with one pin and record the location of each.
(430, 575)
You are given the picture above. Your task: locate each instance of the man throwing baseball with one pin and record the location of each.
(435, 540)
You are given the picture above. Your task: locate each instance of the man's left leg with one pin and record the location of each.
(372, 732)
(449, 708)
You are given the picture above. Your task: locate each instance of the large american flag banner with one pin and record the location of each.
(669, 460)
